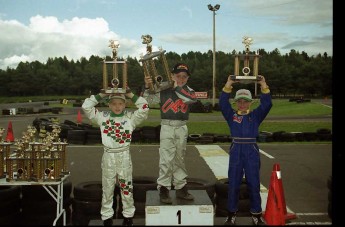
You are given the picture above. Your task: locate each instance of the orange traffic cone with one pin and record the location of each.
(79, 118)
(288, 215)
(9, 136)
(274, 213)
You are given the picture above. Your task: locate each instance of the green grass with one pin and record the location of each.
(38, 98)
(222, 127)
(281, 108)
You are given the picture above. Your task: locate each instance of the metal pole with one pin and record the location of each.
(214, 59)
(214, 9)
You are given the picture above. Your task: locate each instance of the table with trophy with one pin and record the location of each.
(28, 161)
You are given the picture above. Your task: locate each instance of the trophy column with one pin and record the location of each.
(247, 59)
(161, 80)
(118, 85)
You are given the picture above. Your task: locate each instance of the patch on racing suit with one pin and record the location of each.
(105, 113)
(177, 106)
(116, 131)
(237, 118)
(125, 187)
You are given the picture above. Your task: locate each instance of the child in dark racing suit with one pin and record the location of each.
(244, 156)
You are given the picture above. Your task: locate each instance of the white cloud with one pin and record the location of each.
(285, 24)
(14, 60)
(48, 37)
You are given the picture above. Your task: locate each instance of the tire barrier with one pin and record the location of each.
(76, 136)
(197, 107)
(324, 134)
(201, 184)
(206, 138)
(208, 107)
(137, 135)
(303, 100)
(10, 205)
(265, 136)
(44, 212)
(321, 134)
(142, 184)
(277, 136)
(56, 110)
(87, 202)
(194, 137)
(310, 136)
(221, 198)
(64, 131)
(149, 134)
(221, 138)
(93, 136)
(299, 136)
(6, 112)
(87, 134)
(158, 132)
(288, 137)
(25, 110)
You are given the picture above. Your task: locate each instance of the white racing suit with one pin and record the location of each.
(116, 164)
(174, 107)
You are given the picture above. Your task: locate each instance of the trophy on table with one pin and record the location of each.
(247, 77)
(117, 86)
(160, 74)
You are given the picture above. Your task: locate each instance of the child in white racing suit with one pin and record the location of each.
(117, 126)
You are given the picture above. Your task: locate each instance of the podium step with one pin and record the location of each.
(141, 221)
(199, 211)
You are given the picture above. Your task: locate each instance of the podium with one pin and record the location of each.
(199, 211)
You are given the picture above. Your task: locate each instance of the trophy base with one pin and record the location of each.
(113, 91)
(245, 79)
(161, 86)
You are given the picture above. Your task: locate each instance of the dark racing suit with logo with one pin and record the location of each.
(244, 156)
(174, 133)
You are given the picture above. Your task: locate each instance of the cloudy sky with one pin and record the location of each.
(38, 29)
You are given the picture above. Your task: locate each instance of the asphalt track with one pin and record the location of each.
(305, 168)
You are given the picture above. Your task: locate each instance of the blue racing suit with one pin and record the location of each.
(244, 156)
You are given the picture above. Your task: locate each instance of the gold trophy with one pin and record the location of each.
(247, 77)
(117, 86)
(161, 81)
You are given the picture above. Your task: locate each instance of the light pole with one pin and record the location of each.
(214, 9)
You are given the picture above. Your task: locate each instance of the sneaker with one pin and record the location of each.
(258, 220)
(231, 219)
(184, 194)
(127, 222)
(164, 195)
(108, 222)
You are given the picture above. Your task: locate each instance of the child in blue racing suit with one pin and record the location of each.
(244, 156)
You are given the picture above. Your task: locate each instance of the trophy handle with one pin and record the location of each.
(147, 74)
